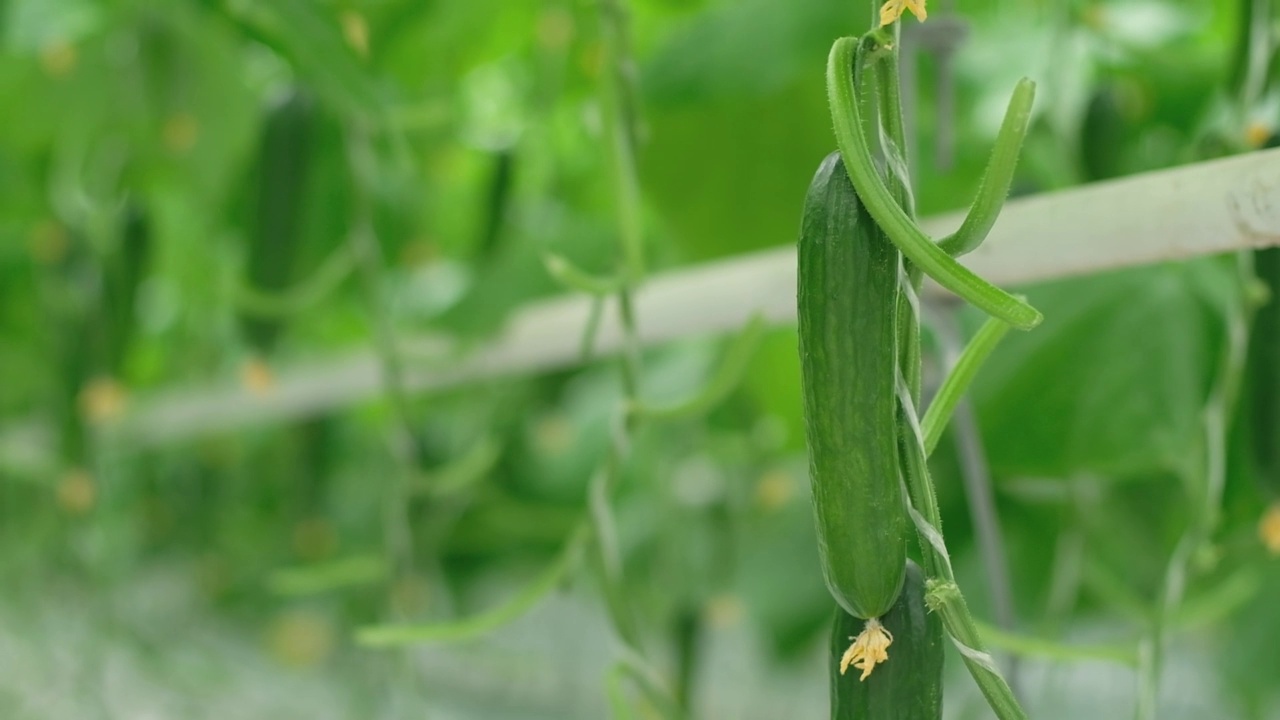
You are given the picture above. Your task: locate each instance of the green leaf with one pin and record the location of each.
(1114, 381)
(752, 48)
(728, 174)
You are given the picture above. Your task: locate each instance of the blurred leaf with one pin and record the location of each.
(703, 169)
(751, 48)
(1113, 382)
(310, 35)
(779, 577)
(37, 25)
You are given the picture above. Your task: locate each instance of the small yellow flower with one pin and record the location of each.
(774, 489)
(869, 649)
(355, 30)
(1269, 529)
(724, 611)
(76, 492)
(1257, 134)
(102, 399)
(180, 133)
(892, 10)
(256, 376)
(58, 58)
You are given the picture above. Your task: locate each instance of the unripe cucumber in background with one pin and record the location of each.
(277, 206)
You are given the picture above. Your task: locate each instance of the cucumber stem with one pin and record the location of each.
(944, 595)
(998, 177)
(958, 380)
(889, 215)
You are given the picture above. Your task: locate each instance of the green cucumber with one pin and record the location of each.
(125, 270)
(908, 686)
(278, 205)
(848, 291)
(1262, 402)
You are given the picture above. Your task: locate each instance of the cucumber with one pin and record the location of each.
(125, 271)
(848, 296)
(278, 205)
(908, 686)
(1262, 402)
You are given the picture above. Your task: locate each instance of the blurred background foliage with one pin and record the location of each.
(195, 190)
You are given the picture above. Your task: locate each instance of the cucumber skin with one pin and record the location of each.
(848, 291)
(279, 205)
(1262, 400)
(908, 686)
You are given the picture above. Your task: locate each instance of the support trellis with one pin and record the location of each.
(1175, 214)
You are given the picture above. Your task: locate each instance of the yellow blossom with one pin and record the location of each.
(869, 649)
(102, 399)
(1256, 134)
(355, 30)
(256, 376)
(1269, 529)
(893, 9)
(180, 133)
(58, 58)
(723, 611)
(76, 492)
(774, 489)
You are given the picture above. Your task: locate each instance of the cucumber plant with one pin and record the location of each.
(861, 263)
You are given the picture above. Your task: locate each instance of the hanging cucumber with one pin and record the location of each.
(848, 300)
(1263, 400)
(277, 207)
(123, 274)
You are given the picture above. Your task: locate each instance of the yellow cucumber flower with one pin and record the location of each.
(893, 9)
(869, 648)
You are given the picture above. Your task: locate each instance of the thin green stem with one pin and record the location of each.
(980, 496)
(631, 366)
(891, 218)
(876, 77)
(617, 110)
(1207, 505)
(880, 51)
(339, 574)
(368, 254)
(331, 274)
(463, 472)
(575, 278)
(1028, 646)
(993, 189)
(616, 692)
(605, 554)
(595, 313)
(619, 123)
(944, 594)
(737, 359)
(688, 630)
(633, 667)
(958, 380)
(1253, 47)
(486, 622)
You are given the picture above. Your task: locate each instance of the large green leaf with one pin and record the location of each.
(1114, 380)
